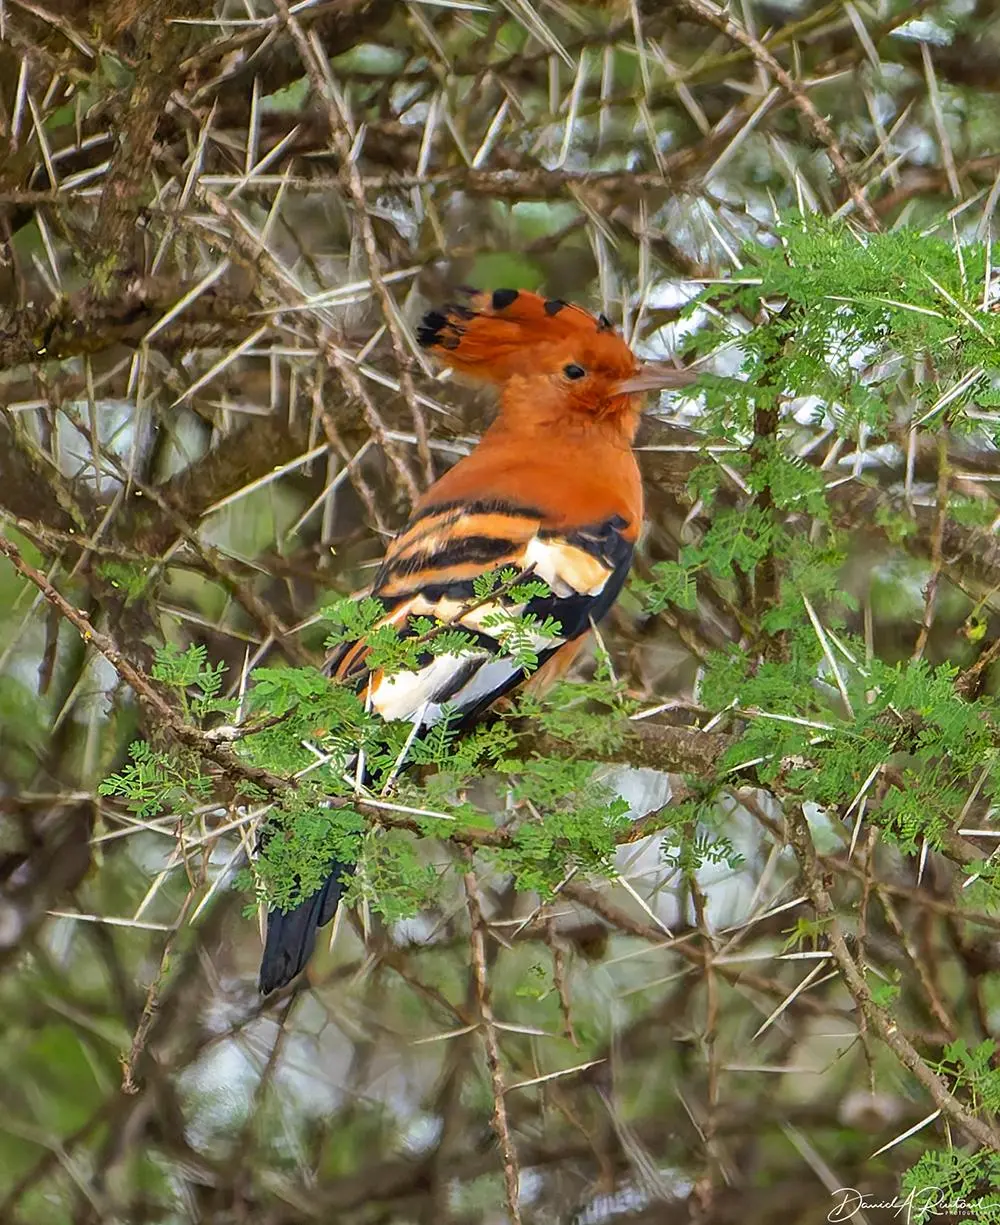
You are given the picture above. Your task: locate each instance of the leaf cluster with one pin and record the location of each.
(572, 823)
(827, 302)
(951, 1184)
(907, 721)
(153, 782)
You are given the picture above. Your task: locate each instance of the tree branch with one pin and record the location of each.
(128, 181)
(876, 1016)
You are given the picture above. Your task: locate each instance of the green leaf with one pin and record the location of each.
(671, 583)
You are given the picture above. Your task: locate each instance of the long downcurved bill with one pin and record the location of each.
(656, 376)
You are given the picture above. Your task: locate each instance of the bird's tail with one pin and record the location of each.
(291, 934)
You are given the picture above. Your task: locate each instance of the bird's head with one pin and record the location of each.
(556, 362)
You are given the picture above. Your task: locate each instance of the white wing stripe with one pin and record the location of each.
(567, 569)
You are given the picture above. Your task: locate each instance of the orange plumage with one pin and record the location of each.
(553, 488)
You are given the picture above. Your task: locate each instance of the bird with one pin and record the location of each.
(552, 490)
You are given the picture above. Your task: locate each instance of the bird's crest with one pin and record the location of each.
(499, 333)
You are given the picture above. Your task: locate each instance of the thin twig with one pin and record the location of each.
(880, 1020)
(345, 142)
(141, 684)
(709, 12)
(937, 560)
(511, 1172)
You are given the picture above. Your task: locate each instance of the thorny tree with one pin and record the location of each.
(710, 934)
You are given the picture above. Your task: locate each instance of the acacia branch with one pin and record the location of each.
(670, 749)
(876, 1016)
(708, 12)
(128, 179)
(142, 685)
(684, 741)
(80, 324)
(511, 1172)
(344, 141)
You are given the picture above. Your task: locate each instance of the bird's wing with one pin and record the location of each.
(429, 572)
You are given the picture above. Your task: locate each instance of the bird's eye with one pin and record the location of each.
(573, 371)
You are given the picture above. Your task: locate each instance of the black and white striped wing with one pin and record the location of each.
(430, 571)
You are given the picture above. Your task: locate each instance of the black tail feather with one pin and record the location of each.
(291, 934)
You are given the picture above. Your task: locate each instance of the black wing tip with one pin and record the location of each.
(291, 934)
(290, 941)
(274, 977)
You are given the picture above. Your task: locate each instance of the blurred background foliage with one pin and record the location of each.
(219, 224)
